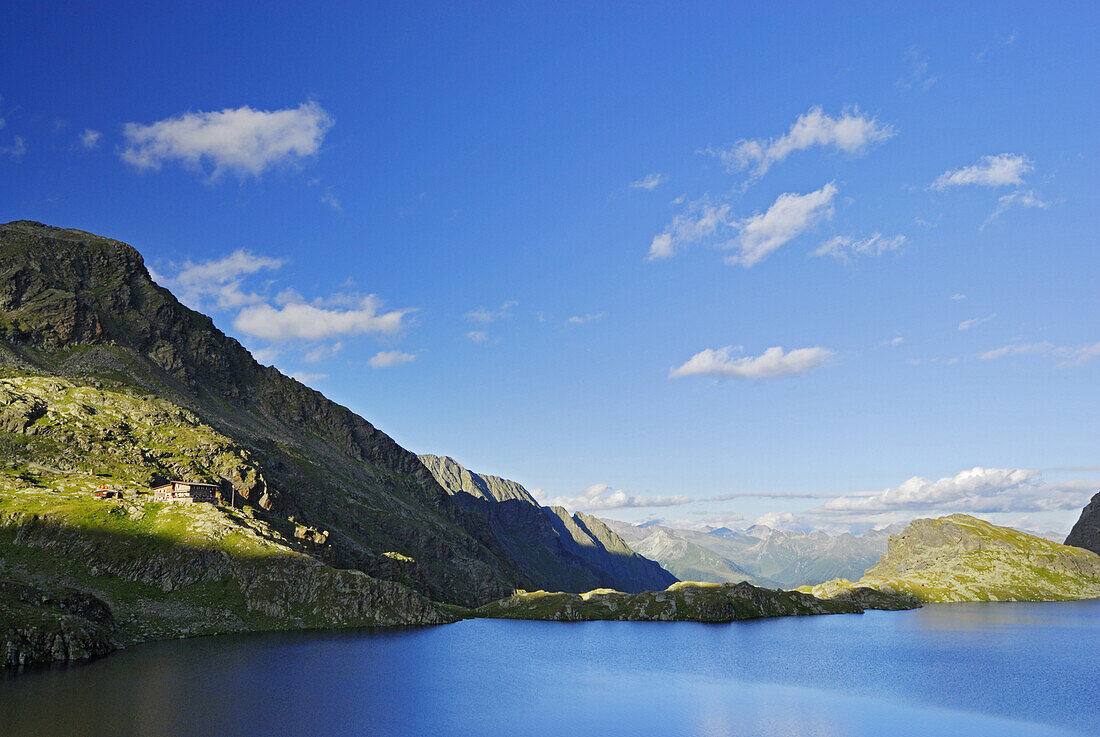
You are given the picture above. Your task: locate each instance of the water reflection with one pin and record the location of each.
(1000, 669)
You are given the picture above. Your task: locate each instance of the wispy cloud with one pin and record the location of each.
(648, 182)
(918, 76)
(975, 322)
(1001, 170)
(485, 316)
(240, 140)
(1001, 41)
(89, 139)
(604, 496)
(388, 359)
(771, 363)
(480, 337)
(1019, 198)
(893, 342)
(788, 217)
(16, 149)
(1065, 355)
(851, 132)
(330, 199)
(307, 378)
(957, 297)
(845, 248)
(582, 319)
(321, 352)
(701, 219)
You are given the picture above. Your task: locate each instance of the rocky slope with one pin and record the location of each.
(688, 601)
(760, 555)
(83, 308)
(1086, 533)
(962, 558)
(81, 576)
(565, 552)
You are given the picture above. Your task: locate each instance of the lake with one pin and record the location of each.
(1003, 669)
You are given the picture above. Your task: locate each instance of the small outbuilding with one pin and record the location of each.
(185, 492)
(106, 492)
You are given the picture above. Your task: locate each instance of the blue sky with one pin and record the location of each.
(836, 265)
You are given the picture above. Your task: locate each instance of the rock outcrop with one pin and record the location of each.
(563, 552)
(962, 558)
(1086, 533)
(685, 601)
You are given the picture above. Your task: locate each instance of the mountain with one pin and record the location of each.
(761, 555)
(1086, 533)
(83, 308)
(962, 558)
(687, 601)
(565, 552)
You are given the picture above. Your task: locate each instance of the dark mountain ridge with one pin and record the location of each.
(1086, 531)
(76, 305)
(573, 553)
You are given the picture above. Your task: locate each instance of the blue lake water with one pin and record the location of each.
(1027, 670)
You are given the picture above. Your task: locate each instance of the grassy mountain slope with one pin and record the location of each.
(565, 552)
(80, 576)
(962, 558)
(81, 307)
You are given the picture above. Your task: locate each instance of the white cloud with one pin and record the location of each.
(894, 342)
(217, 280)
(299, 320)
(387, 359)
(788, 217)
(918, 75)
(479, 337)
(975, 322)
(241, 140)
(485, 316)
(1066, 355)
(1019, 198)
(957, 297)
(844, 248)
(852, 133)
(17, 148)
(701, 219)
(649, 182)
(977, 490)
(771, 363)
(90, 138)
(603, 496)
(1001, 170)
(582, 319)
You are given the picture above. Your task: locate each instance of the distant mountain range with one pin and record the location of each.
(761, 555)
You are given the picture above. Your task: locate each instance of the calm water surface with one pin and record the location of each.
(967, 669)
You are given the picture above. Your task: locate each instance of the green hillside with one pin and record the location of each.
(962, 558)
